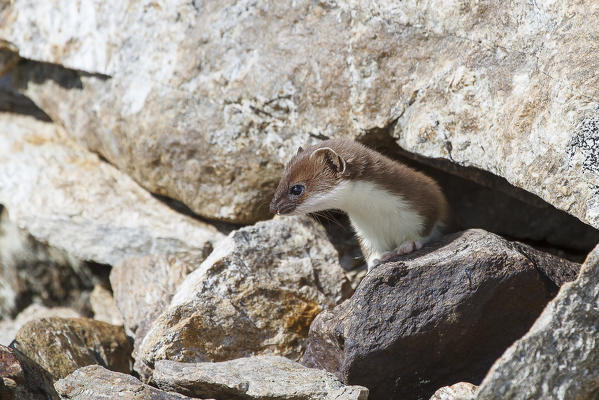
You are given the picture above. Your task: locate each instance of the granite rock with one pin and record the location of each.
(257, 293)
(203, 102)
(22, 379)
(253, 378)
(61, 345)
(558, 357)
(457, 391)
(67, 197)
(435, 317)
(97, 383)
(103, 306)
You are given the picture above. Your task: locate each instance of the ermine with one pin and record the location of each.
(393, 209)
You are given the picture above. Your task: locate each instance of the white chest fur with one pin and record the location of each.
(382, 220)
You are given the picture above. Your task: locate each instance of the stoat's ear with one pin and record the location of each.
(331, 159)
(299, 150)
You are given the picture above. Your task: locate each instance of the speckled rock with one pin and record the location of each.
(22, 379)
(10, 327)
(67, 197)
(97, 383)
(61, 345)
(33, 272)
(257, 293)
(558, 357)
(143, 288)
(434, 317)
(254, 378)
(103, 307)
(458, 391)
(231, 88)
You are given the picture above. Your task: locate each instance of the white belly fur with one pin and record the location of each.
(382, 220)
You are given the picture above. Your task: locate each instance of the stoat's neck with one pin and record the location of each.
(382, 220)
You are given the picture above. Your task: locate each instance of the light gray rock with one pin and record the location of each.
(254, 378)
(33, 272)
(458, 391)
(143, 288)
(103, 307)
(97, 383)
(206, 100)
(257, 293)
(558, 357)
(10, 327)
(66, 196)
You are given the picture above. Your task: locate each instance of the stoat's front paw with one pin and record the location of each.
(407, 247)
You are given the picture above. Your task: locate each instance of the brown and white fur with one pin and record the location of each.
(393, 208)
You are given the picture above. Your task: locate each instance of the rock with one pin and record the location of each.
(67, 197)
(96, 383)
(103, 306)
(260, 377)
(9, 327)
(257, 293)
(61, 345)
(558, 357)
(22, 379)
(434, 317)
(143, 288)
(458, 391)
(503, 89)
(33, 272)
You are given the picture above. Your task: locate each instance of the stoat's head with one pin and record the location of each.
(309, 181)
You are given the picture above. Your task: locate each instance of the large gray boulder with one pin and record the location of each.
(435, 317)
(203, 102)
(558, 357)
(254, 378)
(257, 293)
(68, 197)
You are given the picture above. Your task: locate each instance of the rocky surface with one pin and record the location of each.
(458, 391)
(10, 327)
(435, 317)
(103, 306)
(503, 89)
(254, 378)
(97, 383)
(67, 197)
(557, 358)
(61, 345)
(143, 288)
(22, 379)
(33, 272)
(257, 293)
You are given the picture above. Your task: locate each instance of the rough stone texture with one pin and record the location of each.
(22, 379)
(143, 288)
(254, 378)
(66, 196)
(10, 327)
(61, 345)
(257, 293)
(458, 391)
(205, 100)
(97, 383)
(434, 317)
(32, 272)
(558, 357)
(103, 307)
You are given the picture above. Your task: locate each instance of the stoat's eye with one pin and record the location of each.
(297, 190)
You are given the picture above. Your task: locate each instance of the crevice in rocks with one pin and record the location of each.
(40, 72)
(480, 199)
(16, 103)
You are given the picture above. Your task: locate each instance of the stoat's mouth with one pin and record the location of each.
(286, 209)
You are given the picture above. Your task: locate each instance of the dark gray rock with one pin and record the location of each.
(435, 317)
(558, 357)
(97, 383)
